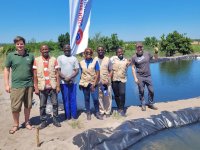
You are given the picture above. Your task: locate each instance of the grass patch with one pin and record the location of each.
(75, 124)
(196, 48)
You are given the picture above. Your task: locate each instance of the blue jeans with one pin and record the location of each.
(69, 100)
(94, 94)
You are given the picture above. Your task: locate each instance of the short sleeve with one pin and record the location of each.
(56, 64)
(133, 60)
(8, 62)
(110, 65)
(76, 64)
(58, 60)
(34, 65)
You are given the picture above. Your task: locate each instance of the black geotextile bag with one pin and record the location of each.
(130, 132)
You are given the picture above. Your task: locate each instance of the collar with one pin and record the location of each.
(25, 53)
(45, 58)
(120, 59)
(88, 61)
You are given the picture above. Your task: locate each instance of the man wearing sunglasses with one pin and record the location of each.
(142, 75)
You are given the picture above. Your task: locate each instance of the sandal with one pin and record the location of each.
(28, 126)
(13, 130)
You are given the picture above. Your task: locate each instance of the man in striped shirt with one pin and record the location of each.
(46, 84)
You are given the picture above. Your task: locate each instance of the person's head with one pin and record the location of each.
(139, 48)
(19, 43)
(67, 50)
(88, 53)
(120, 53)
(100, 51)
(44, 49)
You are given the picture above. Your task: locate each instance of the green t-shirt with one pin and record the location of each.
(22, 72)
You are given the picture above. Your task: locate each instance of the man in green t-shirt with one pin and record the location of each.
(21, 90)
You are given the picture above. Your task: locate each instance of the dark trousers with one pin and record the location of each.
(119, 89)
(43, 102)
(141, 86)
(69, 100)
(94, 94)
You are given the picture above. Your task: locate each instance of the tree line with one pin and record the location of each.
(170, 44)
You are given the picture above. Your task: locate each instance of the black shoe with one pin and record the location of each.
(143, 107)
(99, 116)
(122, 113)
(56, 123)
(43, 125)
(153, 107)
(88, 116)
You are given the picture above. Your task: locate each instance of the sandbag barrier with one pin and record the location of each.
(130, 132)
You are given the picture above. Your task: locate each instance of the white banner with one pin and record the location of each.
(80, 11)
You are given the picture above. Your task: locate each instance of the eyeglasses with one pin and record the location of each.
(88, 53)
(140, 47)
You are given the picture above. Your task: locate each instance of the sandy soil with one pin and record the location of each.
(52, 138)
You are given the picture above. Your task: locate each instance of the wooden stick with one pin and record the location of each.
(37, 137)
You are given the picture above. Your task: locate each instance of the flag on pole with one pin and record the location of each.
(80, 11)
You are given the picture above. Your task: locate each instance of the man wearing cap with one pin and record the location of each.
(142, 74)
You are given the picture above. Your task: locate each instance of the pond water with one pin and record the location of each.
(183, 138)
(172, 80)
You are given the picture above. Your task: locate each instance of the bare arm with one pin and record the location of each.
(67, 79)
(60, 74)
(35, 79)
(155, 57)
(6, 79)
(96, 80)
(74, 74)
(97, 77)
(134, 74)
(57, 81)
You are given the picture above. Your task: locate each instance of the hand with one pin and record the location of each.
(57, 89)
(67, 79)
(128, 63)
(36, 91)
(7, 88)
(105, 82)
(92, 88)
(155, 50)
(136, 81)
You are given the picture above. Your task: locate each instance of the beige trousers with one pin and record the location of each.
(105, 102)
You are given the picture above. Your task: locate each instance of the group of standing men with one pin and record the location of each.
(48, 75)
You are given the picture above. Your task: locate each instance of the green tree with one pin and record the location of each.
(63, 39)
(7, 48)
(151, 41)
(175, 42)
(115, 42)
(109, 43)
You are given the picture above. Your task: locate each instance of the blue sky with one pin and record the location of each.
(132, 20)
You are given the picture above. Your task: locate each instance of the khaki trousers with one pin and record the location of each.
(105, 102)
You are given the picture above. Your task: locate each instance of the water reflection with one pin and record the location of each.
(175, 68)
